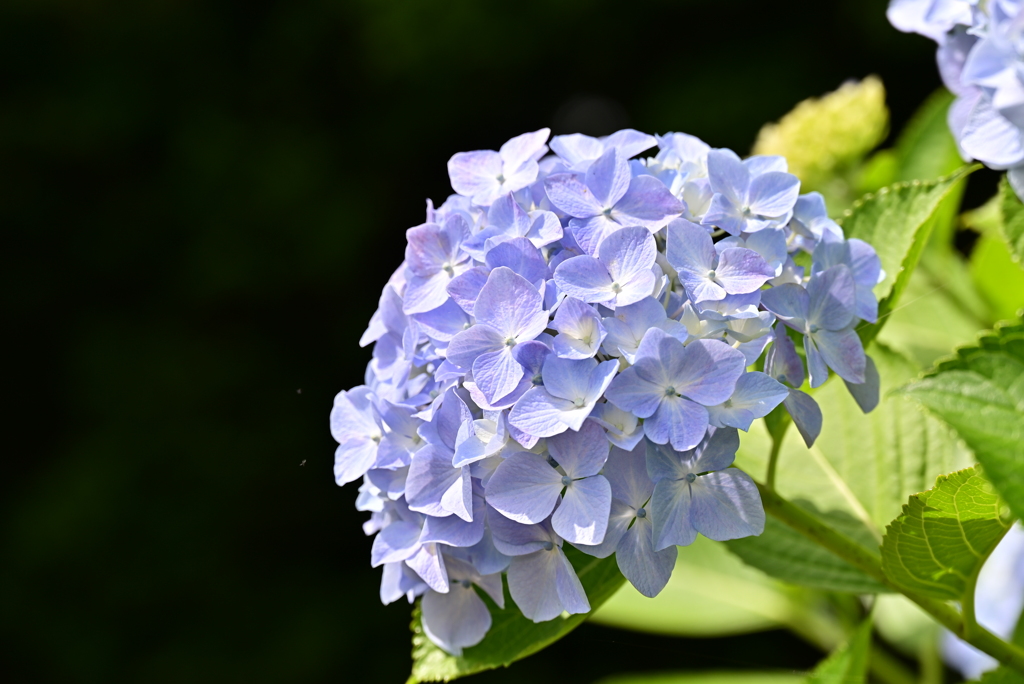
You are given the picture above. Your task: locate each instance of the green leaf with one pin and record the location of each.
(937, 546)
(896, 221)
(857, 475)
(712, 593)
(1002, 675)
(848, 664)
(980, 394)
(512, 637)
(790, 556)
(706, 678)
(1013, 220)
(926, 149)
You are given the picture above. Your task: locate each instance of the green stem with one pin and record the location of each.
(773, 459)
(871, 564)
(967, 605)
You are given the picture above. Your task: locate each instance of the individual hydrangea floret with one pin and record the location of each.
(566, 356)
(981, 61)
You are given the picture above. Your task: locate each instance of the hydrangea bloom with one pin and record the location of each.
(981, 61)
(566, 356)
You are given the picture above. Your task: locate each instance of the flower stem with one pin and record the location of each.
(870, 563)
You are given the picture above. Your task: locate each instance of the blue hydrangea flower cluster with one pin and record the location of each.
(981, 60)
(565, 356)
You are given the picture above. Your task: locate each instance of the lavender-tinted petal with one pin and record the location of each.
(648, 203)
(832, 298)
(582, 517)
(396, 542)
(531, 581)
(866, 394)
(773, 193)
(539, 414)
(506, 215)
(782, 362)
(629, 142)
(726, 505)
(627, 253)
(817, 369)
(524, 488)
(443, 322)
(627, 473)
(581, 454)
(465, 287)
(631, 392)
(806, 415)
(664, 463)
(728, 175)
(431, 475)
(468, 345)
(522, 148)
(497, 373)
(570, 194)
(742, 271)
(709, 371)
(515, 539)
(689, 247)
(723, 214)
(510, 305)
(570, 590)
(584, 278)
(670, 514)
(678, 421)
(843, 352)
(427, 249)
(568, 378)
(646, 569)
(757, 394)
(520, 255)
(476, 173)
(429, 565)
(453, 530)
(618, 522)
(576, 148)
(608, 177)
(456, 620)
(353, 459)
(718, 450)
(590, 232)
(789, 302)
(990, 136)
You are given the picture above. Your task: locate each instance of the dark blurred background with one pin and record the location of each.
(200, 203)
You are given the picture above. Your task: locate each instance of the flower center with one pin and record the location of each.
(607, 213)
(548, 546)
(616, 288)
(538, 380)
(670, 391)
(447, 268)
(465, 583)
(578, 403)
(510, 342)
(566, 480)
(711, 275)
(641, 512)
(814, 329)
(690, 477)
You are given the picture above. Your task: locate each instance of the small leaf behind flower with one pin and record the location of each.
(848, 664)
(938, 545)
(897, 221)
(512, 637)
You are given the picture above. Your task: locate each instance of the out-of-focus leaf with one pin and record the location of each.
(1002, 675)
(711, 593)
(926, 148)
(1013, 220)
(707, 678)
(897, 221)
(980, 393)
(937, 546)
(904, 624)
(848, 664)
(512, 637)
(998, 277)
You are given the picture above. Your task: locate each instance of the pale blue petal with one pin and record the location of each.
(453, 530)
(647, 203)
(773, 193)
(582, 517)
(832, 298)
(717, 451)
(843, 352)
(728, 176)
(723, 214)
(465, 287)
(817, 369)
(396, 542)
(570, 590)
(628, 253)
(664, 463)
(782, 362)
(532, 583)
(576, 148)
(741, 271)
(539, 414)
(497, 373)
(567, 378)
(525, 147)
(511, 305)
(627, 473)
(726, 505)
(584, 278)
(866, 393)
(581, 454)
(468, 345)
(618, 522)
(678, 421)
(429, 565)
(475, 174)
(353, 459)
(520, 255)
(631, 392)
(709, 370)
(444, 322)
(569, 193)
(790, 303)
(590, 232)
(670, 514)
(646, 569)
(756, 396)
(608, 177)
(456, 620)
(806, 415)
(524, 488)
(431, 476)
(515, 539)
